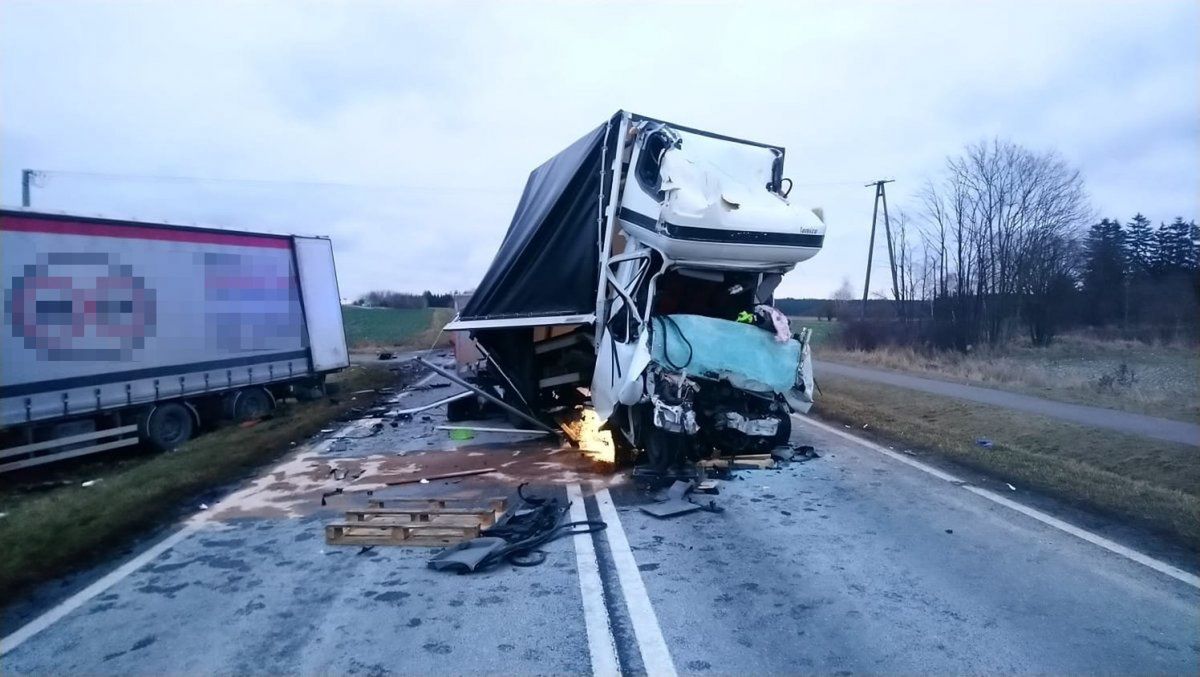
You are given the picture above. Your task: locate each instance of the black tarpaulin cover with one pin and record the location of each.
(547, 264)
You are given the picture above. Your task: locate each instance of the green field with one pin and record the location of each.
(823, 333)
(388, 327)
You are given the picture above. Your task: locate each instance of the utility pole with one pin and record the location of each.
(880, 196)
(26, 179)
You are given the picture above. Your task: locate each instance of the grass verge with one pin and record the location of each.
(1154, 484)
(53, 527)
(1157, 380)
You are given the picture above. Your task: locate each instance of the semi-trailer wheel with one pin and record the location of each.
(166, 426)
(250, 404)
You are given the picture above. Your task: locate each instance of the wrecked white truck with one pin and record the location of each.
(637, 278)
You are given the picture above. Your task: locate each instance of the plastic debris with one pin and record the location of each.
(1011, 487)
(204, 506)
(424, 481)
(89, 483)
(984, 442)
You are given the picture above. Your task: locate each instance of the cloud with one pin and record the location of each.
(410, 128)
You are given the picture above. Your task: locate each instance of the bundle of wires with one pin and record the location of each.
(536, 523)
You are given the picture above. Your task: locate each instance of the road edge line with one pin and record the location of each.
(656, 657)
(601, 645)
(1048, 520)
(62, 609)
(191, 526)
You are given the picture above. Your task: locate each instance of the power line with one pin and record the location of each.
(165, 178)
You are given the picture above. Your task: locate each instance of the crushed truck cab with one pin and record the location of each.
(637, 278)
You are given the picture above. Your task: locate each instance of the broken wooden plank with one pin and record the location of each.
(393, 482)
(743, 462)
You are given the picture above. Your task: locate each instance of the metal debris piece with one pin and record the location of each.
(673, 502)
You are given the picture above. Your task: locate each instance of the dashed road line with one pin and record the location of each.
(1049, 520)
(656, 657)
(601, 646)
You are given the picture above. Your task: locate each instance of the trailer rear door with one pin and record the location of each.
(322, 303)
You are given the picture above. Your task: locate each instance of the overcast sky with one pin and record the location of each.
(406, 131)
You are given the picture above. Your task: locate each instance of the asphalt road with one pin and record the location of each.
(1152, 427)
(859, 561)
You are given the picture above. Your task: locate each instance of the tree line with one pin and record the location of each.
(395, 299)
(1005, 241)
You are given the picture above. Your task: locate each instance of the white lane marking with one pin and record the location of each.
(80, 598)
(1111, 546)
(656, 657)
(1129, 553)
(62, 609)
(595, 614)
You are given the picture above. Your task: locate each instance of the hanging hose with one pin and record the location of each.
(664, 319)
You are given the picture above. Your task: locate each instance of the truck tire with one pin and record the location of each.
(250, 404)
(166, 426)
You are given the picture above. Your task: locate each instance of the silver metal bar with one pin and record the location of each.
(63, 441)
(15, 465)
(610, 224)
(453, 378)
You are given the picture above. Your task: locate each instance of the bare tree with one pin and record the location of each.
(999, 229)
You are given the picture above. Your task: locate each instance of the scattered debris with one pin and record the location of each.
(461, 434)
(371, 484)
(485, 429)
(673, 503)
(984, 442)
(376, 428)
(405, 414)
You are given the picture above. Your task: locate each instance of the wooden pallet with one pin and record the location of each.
(498, 505)
(429, 522)
(484, 517)
(417, 535)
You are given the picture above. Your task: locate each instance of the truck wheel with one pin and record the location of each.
(166, 426)
(250, 404)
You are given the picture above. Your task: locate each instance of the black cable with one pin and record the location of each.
(525, 532)
(667, 349)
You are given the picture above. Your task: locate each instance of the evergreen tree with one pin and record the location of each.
(1139, 246)
(1175, 247)
(1104, 272)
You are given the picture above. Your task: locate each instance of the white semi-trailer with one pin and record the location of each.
(637, 277)
(117, 331)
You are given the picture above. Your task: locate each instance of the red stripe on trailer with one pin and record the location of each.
(25, 224)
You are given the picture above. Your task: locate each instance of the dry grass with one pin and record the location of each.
(1156, 484)
(1159, 380)
(54, 525)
